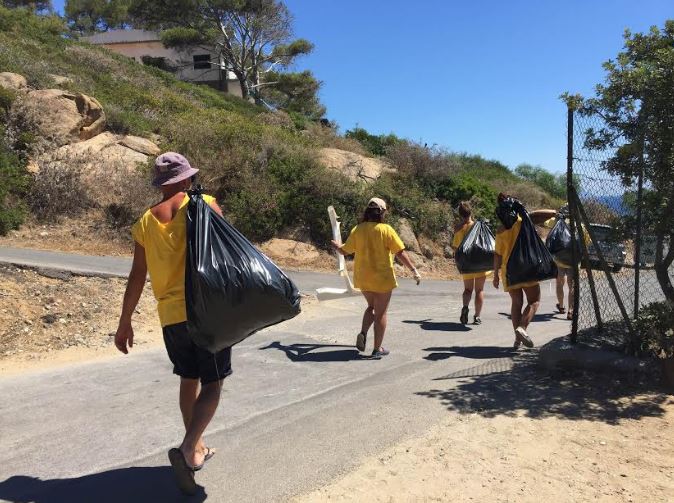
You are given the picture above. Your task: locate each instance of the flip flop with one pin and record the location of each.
(184, 474)
(209, 454)
(561, 309)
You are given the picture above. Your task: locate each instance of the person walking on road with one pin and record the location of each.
(160, 250)
(472, 282)
(506, 236)
(564, 271)
(374, 245)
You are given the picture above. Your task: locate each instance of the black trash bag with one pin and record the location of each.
(507, 211)
(559, 243)
(232, 290)
(476, 252)
(530, 259)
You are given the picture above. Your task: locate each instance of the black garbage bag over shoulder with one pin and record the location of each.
(530, 259)
(232, 290)
(559, 242)
(476, 252)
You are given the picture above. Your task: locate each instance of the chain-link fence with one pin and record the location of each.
(609, 213)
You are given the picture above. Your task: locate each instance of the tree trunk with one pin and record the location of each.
(662, 265)
(244, 87)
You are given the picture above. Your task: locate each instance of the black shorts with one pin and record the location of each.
(192, 362)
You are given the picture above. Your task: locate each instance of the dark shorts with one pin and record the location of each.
(192, 362)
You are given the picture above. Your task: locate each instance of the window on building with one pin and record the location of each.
(202, 61)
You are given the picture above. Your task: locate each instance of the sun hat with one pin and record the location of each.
(376, 202)
(170, 168)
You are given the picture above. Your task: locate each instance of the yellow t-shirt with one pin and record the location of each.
(165, 253)
(374, 245)
(456, 242)
(505, 242)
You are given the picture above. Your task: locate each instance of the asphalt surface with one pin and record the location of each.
(301, 408)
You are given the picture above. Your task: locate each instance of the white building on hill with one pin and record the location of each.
(191, 65)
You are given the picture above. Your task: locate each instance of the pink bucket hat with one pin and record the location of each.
(170, 168)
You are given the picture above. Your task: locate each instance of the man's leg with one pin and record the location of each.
(516, 303)
(189, 392)
(204, 408)
(533, 294)
(381, 302)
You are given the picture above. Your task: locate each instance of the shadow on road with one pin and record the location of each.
(538, 317)
(129, 485)
(443, 326)
(517, 385)
(309, 353)
(476, 352)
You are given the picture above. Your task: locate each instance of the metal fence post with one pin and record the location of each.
(572, 222)
(637, 246)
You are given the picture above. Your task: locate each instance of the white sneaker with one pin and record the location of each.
(522, 336)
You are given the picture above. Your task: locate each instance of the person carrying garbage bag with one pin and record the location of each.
(473, 245)
(160, 250)
(374, 245)
(522, 261)
(558, 243)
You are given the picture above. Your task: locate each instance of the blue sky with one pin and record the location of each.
(479, 76)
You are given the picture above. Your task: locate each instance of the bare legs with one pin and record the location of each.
(377, 305)
(523, 318)
(560, 282)
(198, 408)
(474, 285)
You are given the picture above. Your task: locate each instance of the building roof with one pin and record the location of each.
(122, 37)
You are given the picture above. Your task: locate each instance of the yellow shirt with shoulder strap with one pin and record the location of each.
(456, 242)
(505, 242)
(165, 247)
(374, 246)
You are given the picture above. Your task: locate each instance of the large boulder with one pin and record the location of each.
(13, 81)
(142, 145)
(352, 165)
(406, 233)
(64, 117)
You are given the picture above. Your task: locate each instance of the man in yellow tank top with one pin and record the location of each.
(160, 247)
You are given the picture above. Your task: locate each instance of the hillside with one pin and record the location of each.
(268, 169)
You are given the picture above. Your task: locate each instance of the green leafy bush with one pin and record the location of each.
(655, 326)
(375, 144)
(15, 183)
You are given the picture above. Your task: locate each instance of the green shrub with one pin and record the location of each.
(375, 144)
(7, 97)
(15, 183)
(655, 326)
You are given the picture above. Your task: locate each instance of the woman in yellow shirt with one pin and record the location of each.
(471, 281)
(374, 245)
(505, 242)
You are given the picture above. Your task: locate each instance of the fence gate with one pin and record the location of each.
(614, 253)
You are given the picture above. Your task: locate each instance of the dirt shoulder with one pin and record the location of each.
(90, 235)
(48, 321)
(514, 456)
(54, 320)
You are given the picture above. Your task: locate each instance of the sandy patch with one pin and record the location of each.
(524, 436)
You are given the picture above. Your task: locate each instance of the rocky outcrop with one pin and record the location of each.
(141, 145)
(63, 117)
(103, 153)
(352, 165)
(13, 81)
(406, 233)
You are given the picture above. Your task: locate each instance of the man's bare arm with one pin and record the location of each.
(134, 289)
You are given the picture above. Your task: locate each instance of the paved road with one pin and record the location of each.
(301, 407)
